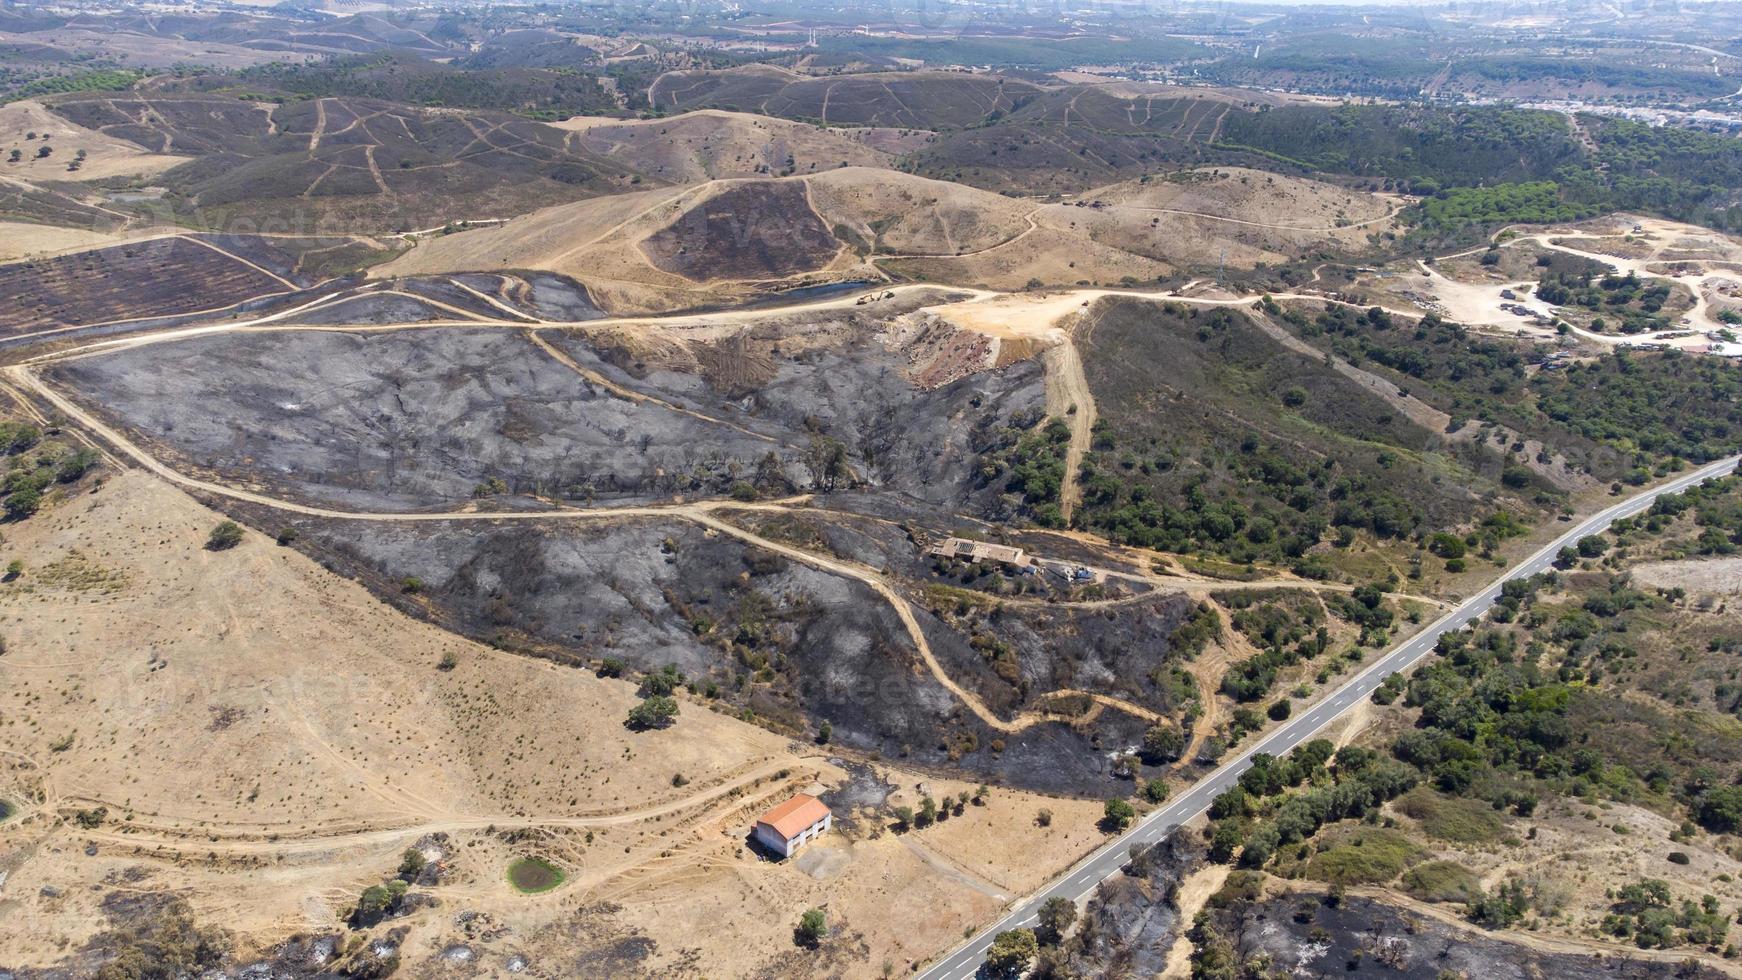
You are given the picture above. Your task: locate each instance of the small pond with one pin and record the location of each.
(533, 875)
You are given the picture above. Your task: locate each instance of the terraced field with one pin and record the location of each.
(160, 277)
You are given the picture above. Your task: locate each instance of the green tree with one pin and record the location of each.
(1117, 815)
(661, 682)
(75, 465)
(813, 926)
(1720, 809)
(377, 900)
(23, 503)
(928, 813)
(1446, 545)
(1012, 950)
(654, 712)
(1162, 743)
(412, 863)
(1055, 919)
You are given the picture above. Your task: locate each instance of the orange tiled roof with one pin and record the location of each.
(793, 817)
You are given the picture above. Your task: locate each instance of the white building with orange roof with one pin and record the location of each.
(792, 824)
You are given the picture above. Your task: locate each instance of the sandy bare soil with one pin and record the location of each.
(1226, 215)
(1698, 264)
(1577, 853)
(1722, 576)
(900, 214)
(162, 50)
(1254, 196)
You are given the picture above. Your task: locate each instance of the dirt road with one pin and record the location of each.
(1068, 398)
(202, 842)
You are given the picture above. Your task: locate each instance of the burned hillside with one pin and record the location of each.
(749, 630)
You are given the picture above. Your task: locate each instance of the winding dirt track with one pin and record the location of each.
(1066, 386)
(200, 840)
(703, 514)
(413, 817)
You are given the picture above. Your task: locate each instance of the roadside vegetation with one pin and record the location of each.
(1576, 690)
(1215, 439)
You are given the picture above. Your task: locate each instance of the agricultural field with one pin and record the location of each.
(139, 280)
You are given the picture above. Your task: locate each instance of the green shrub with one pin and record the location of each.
(1369, 855)
(1117, 815)
(813, 926)
(16, 437)
(1460, 820)
(23, 503)
(224, 537)
(657, 711)
(75, 465)
(1442, 881)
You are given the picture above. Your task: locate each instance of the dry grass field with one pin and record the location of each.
(22, 239)
(667, 249)
(105, 156)
(710, 144)
(1229, 214)
(265, 738)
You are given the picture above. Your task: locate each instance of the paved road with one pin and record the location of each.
(1106, 862)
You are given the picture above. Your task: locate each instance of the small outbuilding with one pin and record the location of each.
(792, 824)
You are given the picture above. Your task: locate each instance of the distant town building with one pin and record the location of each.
(976, 551)
(792, 824)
